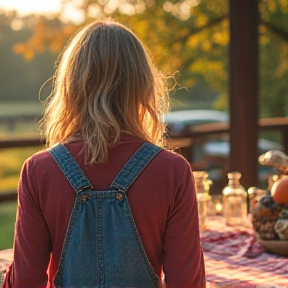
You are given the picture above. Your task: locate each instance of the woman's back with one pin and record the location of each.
(162, 200)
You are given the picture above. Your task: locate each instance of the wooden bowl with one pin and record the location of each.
(279, 247)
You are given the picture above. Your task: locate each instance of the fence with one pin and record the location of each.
(184, 140)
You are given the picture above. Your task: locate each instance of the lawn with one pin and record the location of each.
(20, 108)
(7, 223)
(11, 161)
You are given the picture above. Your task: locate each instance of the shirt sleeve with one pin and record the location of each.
(31, 238)
(183, 262)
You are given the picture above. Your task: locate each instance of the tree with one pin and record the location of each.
(187, 36)
(273, 33)
(20, 80)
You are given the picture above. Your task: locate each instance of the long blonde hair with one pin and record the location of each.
(105, 84)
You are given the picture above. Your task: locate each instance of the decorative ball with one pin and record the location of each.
(279, 190)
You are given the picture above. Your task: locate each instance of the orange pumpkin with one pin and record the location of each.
(279, 190)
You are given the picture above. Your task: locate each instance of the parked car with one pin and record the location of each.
(178, 121)
(212, 153)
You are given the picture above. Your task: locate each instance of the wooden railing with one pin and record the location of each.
(183, 139)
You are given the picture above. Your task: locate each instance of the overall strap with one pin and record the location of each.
(70, 168)
(135, 165)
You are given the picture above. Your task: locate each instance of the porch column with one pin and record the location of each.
(243, 88)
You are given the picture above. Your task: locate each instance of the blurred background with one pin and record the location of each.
(188, 39)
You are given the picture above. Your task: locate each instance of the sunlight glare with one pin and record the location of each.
(72, 14)
(31, 6)
(17, 24)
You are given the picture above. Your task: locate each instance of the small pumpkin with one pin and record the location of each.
(279, 190)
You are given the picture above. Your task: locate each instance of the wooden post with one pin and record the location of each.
(243, 55)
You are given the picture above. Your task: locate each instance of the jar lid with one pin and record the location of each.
(200, 174)
(234, 174)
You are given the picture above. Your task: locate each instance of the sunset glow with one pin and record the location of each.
(31, 6)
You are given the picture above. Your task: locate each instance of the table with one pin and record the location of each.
(233, 258)
(6, 257)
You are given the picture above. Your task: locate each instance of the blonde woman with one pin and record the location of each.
(105, 205)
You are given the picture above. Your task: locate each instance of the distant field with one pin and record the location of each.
(11, 161)
(21, 127)
(180, 100)
(20, 108)
(7, 223)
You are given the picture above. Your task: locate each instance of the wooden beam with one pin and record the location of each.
(243, 88)
(8, 196)
(21, 142)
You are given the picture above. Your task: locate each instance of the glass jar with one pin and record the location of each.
(215, 206)
(202, 185)
(234, 197)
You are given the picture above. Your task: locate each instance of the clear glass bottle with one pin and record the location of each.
(234, 197)
(202, 185)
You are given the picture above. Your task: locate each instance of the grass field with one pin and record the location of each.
(11, 161)
(19, 127)
(20, 108)
(7, 223)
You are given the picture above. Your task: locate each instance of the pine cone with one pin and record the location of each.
(264, 217)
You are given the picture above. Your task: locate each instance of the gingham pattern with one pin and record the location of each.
(6, 257)
(227, 265)
(223, 269)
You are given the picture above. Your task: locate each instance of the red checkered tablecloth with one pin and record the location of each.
(6, 257)
(234, 258)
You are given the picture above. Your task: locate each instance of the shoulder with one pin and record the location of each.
(171, 158)
(170, 165)
(32, 169)
(41, 157)
(173, 174)
(39, 166)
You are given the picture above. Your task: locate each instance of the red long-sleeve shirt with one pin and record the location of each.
(162, 200)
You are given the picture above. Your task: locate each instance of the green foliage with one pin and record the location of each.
(193, 45)
(273, 49)
(20, 80)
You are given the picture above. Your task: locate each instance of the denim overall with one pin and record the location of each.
(102, 247)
